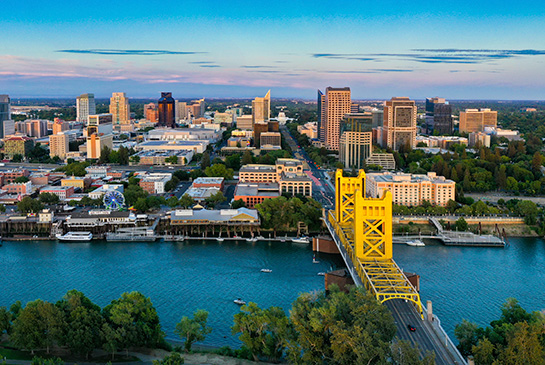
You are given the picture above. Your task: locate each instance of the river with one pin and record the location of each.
(462, 282)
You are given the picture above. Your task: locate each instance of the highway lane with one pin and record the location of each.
(426, 338)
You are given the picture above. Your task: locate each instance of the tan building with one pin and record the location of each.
(261, 108)
(475, 120)
(120, 109)
(287, 173)
(151, 113)
(60, 125)
(336, 102)
(399, 123)
(384, 160)
(411, 190)
(244, 122)
(58, 145)
(18, 145)
(356, 142)
(77, 182)
(270, 138)
(309, 129)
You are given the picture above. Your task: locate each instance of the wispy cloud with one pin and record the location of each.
(257, 66)
(128, 52)
(202, 62)
(209, 66)
(371, 71)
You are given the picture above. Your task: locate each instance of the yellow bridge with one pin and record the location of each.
(364, 227)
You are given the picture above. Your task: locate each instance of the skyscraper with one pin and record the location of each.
(475, 120)
(399, 123)
(181, 111)
(58, 145)
(120, 109)
(438, 116)
(321, 116)
(85, 106)
(150, 112)
(5, 112)
(336, 102)
(356, 139)
(166, 111)
(99, 134)
(261, 108)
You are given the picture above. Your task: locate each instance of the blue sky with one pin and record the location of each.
(457, 49)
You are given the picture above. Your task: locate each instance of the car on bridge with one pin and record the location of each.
(411, 328)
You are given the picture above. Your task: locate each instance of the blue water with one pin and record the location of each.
(462, 282)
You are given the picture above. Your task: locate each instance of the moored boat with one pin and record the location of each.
(75, 236)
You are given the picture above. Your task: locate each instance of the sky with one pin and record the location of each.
(458, 49)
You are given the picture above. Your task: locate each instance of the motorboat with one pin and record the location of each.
(321, 273)
(75, 236)
(239, 301)
(266, 270)
(302, 239)
(253, 239)
(219, 239)
(416, 243)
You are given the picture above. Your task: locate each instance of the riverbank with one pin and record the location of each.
(511, 230)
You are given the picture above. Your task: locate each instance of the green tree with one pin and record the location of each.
(141, 205)
(466, 333)
(528, 210)
(36, 360)
(21, 179)
(247, 158)
(5, 320)
(104, 155)
(205, 160)
(49, 198)
(123, 156)
(233, 162)
(172, 183)
(219, 170)
(524, 346)
(29, 205)
(111, 338)
(461, 225)
(17, 158)
(239, 203)
(186, 201)
(483, 352)
(193, 329)
(172, 202)
(262, 331)
(174, 358)
(2, 208)
(215, 199)
(405, 354)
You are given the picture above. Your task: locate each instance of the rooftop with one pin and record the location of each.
(223, 215)
(257, 189)
(390, 177)
(257, 168)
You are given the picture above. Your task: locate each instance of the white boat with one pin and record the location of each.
(302, 239)
(75, 236)
(219, 239)
(266, 270)
(239, 301)
(321, 273)
(416, 243)
(253, 239)
(260, 238)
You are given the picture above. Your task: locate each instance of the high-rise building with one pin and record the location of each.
(150, 112)
(356, 139)
(8, 128)
(198, 108)
(181, 111)
(120, 109)
(58, 145)
(321, 116)
(354, 108)
(5, 112)
(85, 106)
(399, 123)
(337, 103)
(261, 108)
(438, 116)
(60, 125)
(475, 120)
(166, 111)
(99, 134)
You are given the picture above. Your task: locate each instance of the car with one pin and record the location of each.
(411, 328)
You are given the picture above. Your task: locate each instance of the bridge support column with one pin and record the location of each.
(429, 307)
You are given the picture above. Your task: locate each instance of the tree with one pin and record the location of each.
(216, 199)
(404, 354)
(21, 179)
(262, 331)
(524, 346)
(233, 162)
(17, 158)
(219, 170)
(49, 198)
(123, 155)
(461, 224)
(466, 333)
(2, 208)
(172, 183)
(483, 352)
(29, 205)
(36, 360)
(174, 358)
(193, 329)
(172, 202)
(205, 160)
(528, 210)
(141, 205)
(247, 158)
(186, 201)
(38, 325)
(5, 320)
(104, 155)
(239, 203)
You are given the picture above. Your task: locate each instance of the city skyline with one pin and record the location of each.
(479, 50)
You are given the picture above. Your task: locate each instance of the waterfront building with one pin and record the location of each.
(85, 106)
(150, 112)
(476, 120)
(99, 134)
(411, 189)
(261, 108)
(384, 160)
(120, 109)
(58, 145)
(399, 123)
(100, 218)
(18, 145)
(438, 118)
(255, 193)
(5, 113)
(209, 217)
(154, 183)
(331, 109)
(356, 142)
(166, 111)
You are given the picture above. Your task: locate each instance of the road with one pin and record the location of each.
(425, 336)
(40, 166)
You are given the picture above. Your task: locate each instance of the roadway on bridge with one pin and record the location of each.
(404, 315)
